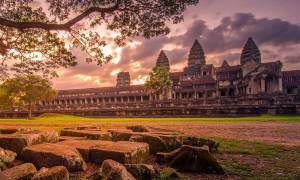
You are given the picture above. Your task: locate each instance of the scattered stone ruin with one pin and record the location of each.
(91, 153)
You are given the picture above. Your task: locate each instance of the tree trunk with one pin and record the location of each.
(30, 111)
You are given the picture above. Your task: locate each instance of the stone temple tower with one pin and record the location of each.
(162, 60)
(250, 52)
(123, 79)
(196, 55)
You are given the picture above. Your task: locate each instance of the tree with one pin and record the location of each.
(25, 91)
(159, 81)
(46, 31)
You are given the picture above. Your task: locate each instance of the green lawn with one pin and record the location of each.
(54, 118)
(257, 160)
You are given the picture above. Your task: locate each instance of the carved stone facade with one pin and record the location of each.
(123, 79)
(162, 60)
(252, 83)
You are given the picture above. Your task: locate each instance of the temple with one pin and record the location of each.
(252, 87)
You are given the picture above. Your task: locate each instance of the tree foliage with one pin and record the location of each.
(159, 81)
(25, 91)
(31, 35)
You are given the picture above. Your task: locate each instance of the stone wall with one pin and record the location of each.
(212, 107)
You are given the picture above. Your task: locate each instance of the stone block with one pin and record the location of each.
(21, 172)
(54, 173)
(18, 141)
(121, 151)
(191, 159)
(112, 170)
(68, 138)
(49, 155)
(143, 171)
(7, 158)
(94, 135)
(158, 142)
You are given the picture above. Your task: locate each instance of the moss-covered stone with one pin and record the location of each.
(7, 157)
(143, 171)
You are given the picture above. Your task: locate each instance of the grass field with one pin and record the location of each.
(260, 147)
(55, 118)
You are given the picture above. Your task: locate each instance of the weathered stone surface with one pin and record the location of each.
(143, 171)
(14, 130)
(44, 136)
(112, 170)
(49, 155)
(138, 128)
(92, 128)
(172, 141)
(199, 142)
(191, 159)
(68, 138)
(94, 135)
(157, 142)
(93, 172)
(54, 173)
(121, 151)
(170, 173)
(8, 130)
(21, 172)
(16, 142)
(121, 135)
(6, 158)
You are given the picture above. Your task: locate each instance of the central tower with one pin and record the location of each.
(196, 56)
(250, 52)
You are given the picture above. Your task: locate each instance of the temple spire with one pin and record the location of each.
(123, 79)
(225, 64)
(196, 55)
(162, 60)
(250, 52)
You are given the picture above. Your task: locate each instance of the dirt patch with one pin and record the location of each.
(269, 132)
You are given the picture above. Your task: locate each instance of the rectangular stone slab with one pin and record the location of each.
(120, 151)
(157, 141)
(8, 130)
(68, 138)
(94, 135)
(17, 142)
(50, 155)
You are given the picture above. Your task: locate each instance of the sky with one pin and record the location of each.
(221, 26)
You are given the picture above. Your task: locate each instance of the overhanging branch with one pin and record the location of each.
(65, 26)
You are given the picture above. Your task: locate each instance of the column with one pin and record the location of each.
(263, 85)
(280, 88)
